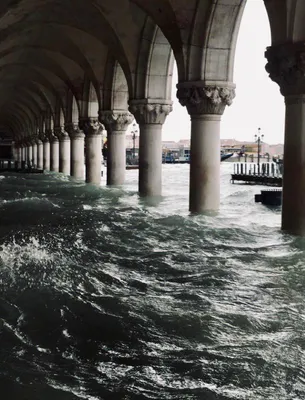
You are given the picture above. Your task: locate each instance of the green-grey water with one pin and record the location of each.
(104, 296)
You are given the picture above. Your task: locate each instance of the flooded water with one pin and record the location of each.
(104, 296)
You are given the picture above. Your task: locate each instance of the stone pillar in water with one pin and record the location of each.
(116, 123)
(34, 153)
(39, 154)
(205, 104)
(286, 66)
(93, 144)
(14, 151)
(19, 154)
(64, 150)
(46, 154)
(77, 150)
(54, 153)
(29, 154)
(150, 116)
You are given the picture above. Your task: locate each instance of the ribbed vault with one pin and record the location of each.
(51, 49)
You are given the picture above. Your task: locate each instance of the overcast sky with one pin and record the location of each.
(258, 102)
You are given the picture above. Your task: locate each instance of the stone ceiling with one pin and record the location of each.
(51, 47)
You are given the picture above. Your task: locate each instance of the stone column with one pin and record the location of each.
(23, 153)
(19, 155)
(116, 123)
(150, 117)
(77, 150)
(54, 154)
(46, 154)
(29, 154)
(34, 154)
(14, 151)
(205, 104)
(64, 151)
(39, 154)
(93, 131)
(286, 66)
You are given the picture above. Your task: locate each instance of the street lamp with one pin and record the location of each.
(258, 139)
(134, 132)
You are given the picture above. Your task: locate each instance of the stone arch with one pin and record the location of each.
(75, 109)
(115, 87)
(90, 100)
(59, 115)
(87, 17)
(155, 64)
(202, 35)
(218, 49)
(93, 102)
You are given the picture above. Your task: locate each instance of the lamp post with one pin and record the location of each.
(258, 139)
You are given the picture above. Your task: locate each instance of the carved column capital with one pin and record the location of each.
(61, 133)
(91, 126)
(286, 67)
(150, 112)
(74, 130)
(201, 98)
(116, 120)
(34, 139)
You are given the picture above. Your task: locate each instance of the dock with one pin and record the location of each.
(267, 174)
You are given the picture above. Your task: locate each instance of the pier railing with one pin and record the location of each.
(269, 174)
(268, 169)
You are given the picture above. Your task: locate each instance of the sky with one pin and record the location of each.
(258, 102)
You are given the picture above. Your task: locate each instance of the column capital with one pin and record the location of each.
(34, 140)
(205, 98)
(150, 111)
(286, 67)
(53, 138)
(91, 126)
(74, 130)
(61, 133)
(30, 140)
(49, 133)
(116, 120)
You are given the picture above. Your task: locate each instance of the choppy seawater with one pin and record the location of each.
(106, 297)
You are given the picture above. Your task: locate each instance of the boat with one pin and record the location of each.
(225, 156)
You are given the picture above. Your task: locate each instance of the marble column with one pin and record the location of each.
(29, 154)
(34, 154)
(23, 153)
(46, 154)
(116, 123)
(39, 154)
(286, 66)
(64, 152)
(14, 151)
(77, 150)
(93, 131)
(54, 154)
(19, 155)
(205, 104)
(150, 117)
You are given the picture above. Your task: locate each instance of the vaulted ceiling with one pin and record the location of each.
(51, 47)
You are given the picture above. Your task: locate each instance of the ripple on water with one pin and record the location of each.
(106, 296)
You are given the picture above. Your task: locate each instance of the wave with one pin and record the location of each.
(104, 296)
